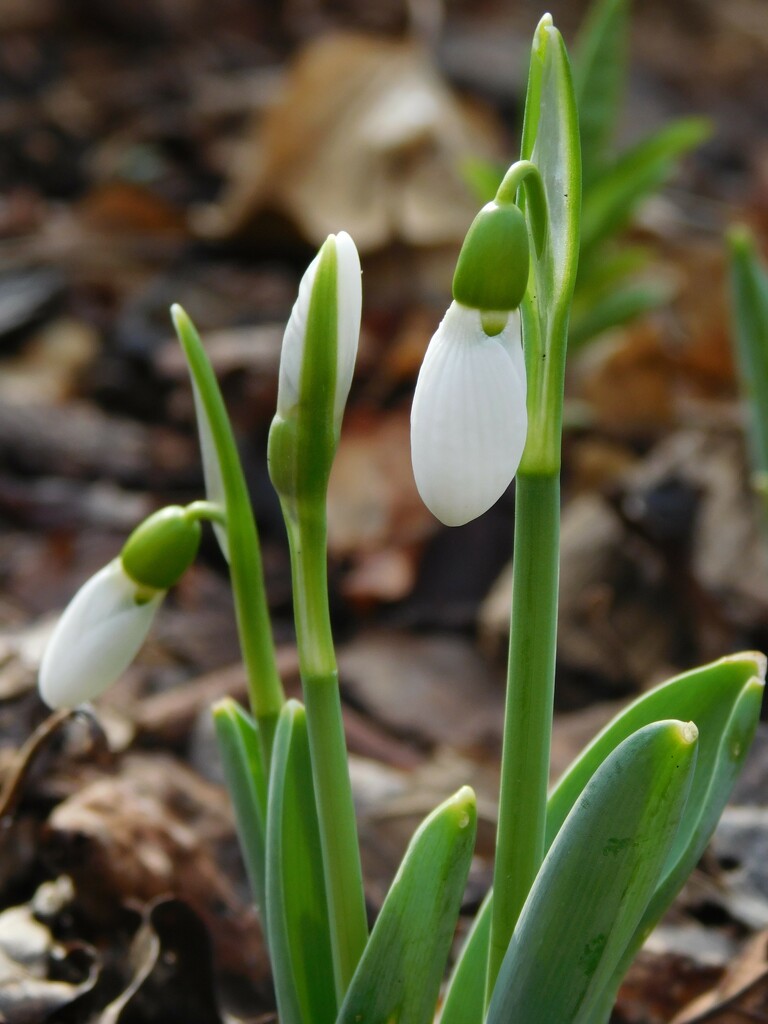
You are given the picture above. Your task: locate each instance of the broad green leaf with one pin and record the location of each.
(614, 196)
(596, 880)
(599, 73)
(398, 979)
(551, 142)
(297, 912)
(708, 695)
(465, 997)
(701, 816)
(704, 695)
(749, 291)
(238, 739)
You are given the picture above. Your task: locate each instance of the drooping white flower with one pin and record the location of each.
(96, 638)
(469, 420)
(348, 309)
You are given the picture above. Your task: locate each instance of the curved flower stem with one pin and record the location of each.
(528, 715)
(333, 791)
(526, 174)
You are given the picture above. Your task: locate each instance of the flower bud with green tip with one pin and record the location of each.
(108, 619)
(316, 368)
(469, 418)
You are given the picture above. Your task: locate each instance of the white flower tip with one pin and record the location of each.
(469, 420)
(96, 638)
(349, 300)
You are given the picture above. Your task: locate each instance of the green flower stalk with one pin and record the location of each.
(551, 143)
(316, 370)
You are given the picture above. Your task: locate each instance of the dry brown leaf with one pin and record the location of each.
(741, 995)
(151, 832)
(365, 136)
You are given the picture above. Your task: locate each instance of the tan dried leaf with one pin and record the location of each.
(365, 136)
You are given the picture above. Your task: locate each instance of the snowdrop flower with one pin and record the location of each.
(108, 619)
(97, 637)
(469, 421)
(316, 368)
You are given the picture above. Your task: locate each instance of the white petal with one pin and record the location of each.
(292, 354)
(469, 421)
(512, 340)
(96, 638)
(214, 481)
(349, 303)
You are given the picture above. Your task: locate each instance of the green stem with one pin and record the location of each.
(528, 716)
(206, 511)
(330, 770)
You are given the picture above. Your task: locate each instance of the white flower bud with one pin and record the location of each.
(96, 638)
(349, 303)
(469, 420)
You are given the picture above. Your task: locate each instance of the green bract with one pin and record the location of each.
(162, 548)
(492, 269)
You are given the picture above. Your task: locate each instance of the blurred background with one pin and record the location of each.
(183, 151)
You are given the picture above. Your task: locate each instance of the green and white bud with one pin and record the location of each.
(316, 368)
(97, 637)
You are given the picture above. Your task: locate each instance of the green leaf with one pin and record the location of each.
(398, 979)
(297, 910)
(702, 813)
(706, 695)
(615, 194)
(599, 74)
(749, 291)
(238, 740)
(465, 996)
(483, 178)
(596, 880)
(551, 142)
(618, 307)
(224, 477)
(710, 696)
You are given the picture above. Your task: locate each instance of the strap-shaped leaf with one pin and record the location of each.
(706, 696)
(297, 911)
(240, 541)
(709, 696)
(599, 73)
(699, 821)
(240, 749)
(465, 996)
(596, 880)
(749, 290)
(398, 979)
(615, 308)
(613, 197)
